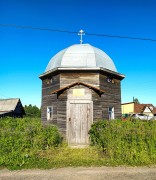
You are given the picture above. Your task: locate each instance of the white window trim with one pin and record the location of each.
(111, 113)
(49, 116)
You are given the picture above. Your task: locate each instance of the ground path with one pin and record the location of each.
(81, 173)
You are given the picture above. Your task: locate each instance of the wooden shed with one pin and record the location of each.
(11, 107)
(80, 86)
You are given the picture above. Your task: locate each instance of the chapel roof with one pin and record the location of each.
(81, 56)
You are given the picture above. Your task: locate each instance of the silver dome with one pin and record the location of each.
(81, 56)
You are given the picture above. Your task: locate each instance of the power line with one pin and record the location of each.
(122, 37)
(37, 28)
(73, 32)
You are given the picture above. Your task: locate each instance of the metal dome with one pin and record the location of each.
(81, 56)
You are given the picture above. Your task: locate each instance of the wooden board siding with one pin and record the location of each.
(49, 84)
(97, 106)
(111, 97)
(61, 112)
(79, 121)
(100, 102)
(19, 110)
(69, 78)
(62, 106)
(79, 114)
(49, 100)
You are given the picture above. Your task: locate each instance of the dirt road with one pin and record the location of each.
(81, 173)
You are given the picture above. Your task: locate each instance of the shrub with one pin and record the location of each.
(26, 143)
(129, 142)
(21, 139)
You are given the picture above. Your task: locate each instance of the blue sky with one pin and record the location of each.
(25, 53)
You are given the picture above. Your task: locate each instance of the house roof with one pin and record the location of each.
(7, 105)
(139, 108)
(127, 103)
(154, 110)
(100, 91)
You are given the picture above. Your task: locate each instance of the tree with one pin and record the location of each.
(136, 101)
(32, 111)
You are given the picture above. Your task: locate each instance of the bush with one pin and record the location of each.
(26, 143)
(32, 111)
(21, 139)
(129, 142)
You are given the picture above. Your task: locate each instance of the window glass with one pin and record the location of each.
(111, 113)
(49, 112)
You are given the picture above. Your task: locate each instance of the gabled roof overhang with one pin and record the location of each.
(61, 90)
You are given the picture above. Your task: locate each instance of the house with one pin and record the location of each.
(11, 107)
(133, 108)
(80, 86)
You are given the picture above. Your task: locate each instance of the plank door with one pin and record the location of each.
(79, 122)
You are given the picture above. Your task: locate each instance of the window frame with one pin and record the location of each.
(111, 114)
(49, 113)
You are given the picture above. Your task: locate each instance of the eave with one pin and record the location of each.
(61, 90)
(59, 69)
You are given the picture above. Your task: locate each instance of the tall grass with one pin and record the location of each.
(21, 139)
(26, 143)
(131, 142)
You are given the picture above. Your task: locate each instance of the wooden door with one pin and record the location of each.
(79, 122)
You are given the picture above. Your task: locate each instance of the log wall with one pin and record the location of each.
(85, 77)
(101, 103)
(49, 84)
(112, 95)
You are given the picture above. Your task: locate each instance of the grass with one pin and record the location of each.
(65, 157)
(26, 143)
(21, 139)
(131, 143)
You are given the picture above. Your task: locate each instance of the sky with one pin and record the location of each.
(25, 53)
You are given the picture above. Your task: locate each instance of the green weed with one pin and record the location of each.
(26, 143)
(126, 142)
(21, 139)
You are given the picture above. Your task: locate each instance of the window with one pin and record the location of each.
(49, 80)
(111, 113)
(110, 80)
(49, 113)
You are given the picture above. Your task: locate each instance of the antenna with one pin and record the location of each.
(81, 33)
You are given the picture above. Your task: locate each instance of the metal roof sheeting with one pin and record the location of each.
(81, 56)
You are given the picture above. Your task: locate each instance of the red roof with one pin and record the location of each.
(139, 108)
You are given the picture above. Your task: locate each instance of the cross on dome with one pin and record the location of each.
(81, 33)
